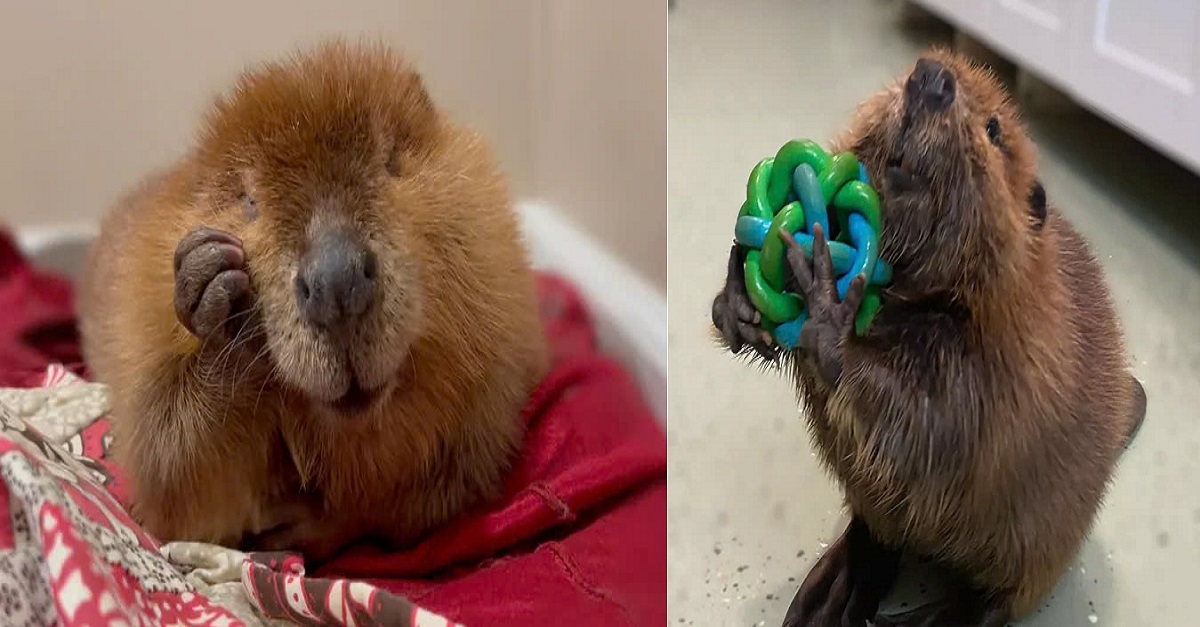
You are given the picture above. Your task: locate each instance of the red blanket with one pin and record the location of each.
(579, 537)
(37, 319)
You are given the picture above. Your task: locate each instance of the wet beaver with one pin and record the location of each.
(319, 324)
(979, 420)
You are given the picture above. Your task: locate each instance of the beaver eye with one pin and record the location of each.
(249, 207)
(993, 130)
(1037, 203)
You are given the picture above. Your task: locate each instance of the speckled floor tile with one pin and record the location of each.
(749, 507)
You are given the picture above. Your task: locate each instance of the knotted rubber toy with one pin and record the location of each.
(795, 190)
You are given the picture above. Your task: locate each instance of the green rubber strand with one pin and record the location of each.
(789, 157)
(843, 168)
(756, 191)
(858, 196)
(791, 218)
(866, 310)
(773, 305)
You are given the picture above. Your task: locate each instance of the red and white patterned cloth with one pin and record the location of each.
(70, 554)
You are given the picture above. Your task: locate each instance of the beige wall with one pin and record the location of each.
(96, 94)
(600, 131)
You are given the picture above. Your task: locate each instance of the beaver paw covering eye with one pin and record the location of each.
(979, 420)
(320, 324)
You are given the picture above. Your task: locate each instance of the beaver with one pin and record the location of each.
(319, 324)
(979, 420)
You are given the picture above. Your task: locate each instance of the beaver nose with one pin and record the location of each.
(336, 281)
(931, 85)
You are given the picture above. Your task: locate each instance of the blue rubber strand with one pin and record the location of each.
(867, 252)
(787, 334)
(844, 256)
(751, 231)
(808, 191)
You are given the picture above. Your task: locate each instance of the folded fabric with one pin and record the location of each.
(37, 319)
(579, 536)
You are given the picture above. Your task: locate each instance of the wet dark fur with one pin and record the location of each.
(979, 421)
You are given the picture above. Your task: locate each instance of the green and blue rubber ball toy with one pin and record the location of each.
(801, 186)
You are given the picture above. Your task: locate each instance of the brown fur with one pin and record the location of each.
(219, 443)
(979, 421)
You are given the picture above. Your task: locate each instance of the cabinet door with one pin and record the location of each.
(1139, 64)
(971, 16)
(1038, 35)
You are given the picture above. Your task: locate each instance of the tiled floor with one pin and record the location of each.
(749, 507)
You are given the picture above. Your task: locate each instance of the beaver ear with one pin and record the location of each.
(414, 131)
(1037, 203)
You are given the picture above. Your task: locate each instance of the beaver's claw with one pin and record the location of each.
(734, 315)
(830, 322)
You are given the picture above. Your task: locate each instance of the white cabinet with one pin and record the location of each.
(1136, 62)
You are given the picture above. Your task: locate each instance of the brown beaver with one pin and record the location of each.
(979, 420)
(320, 323)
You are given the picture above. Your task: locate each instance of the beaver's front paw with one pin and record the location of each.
(304, 526)
(212, 289)
(734, 315)
(830, 323)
